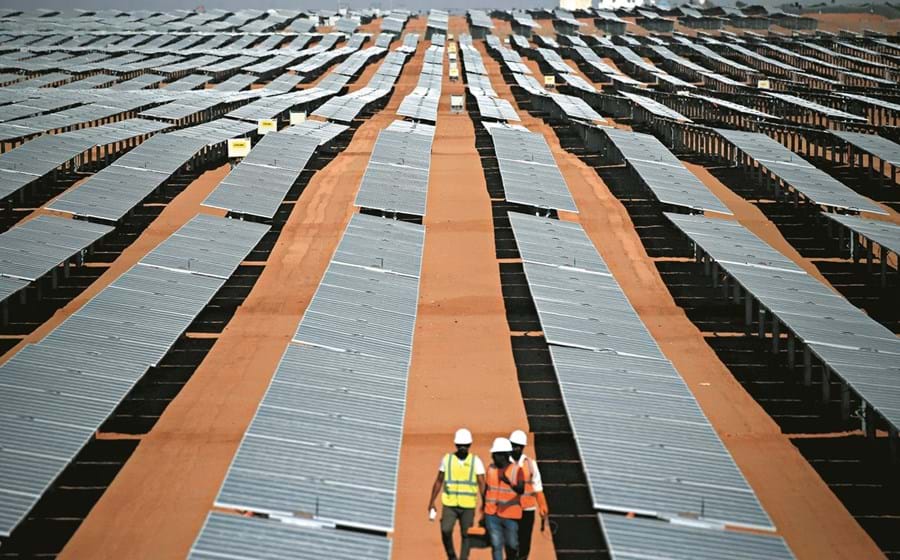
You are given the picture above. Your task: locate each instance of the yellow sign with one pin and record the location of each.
(264, 126)
(454, 72)
(450, 36)
(763, 84)
(549, 81)
(297, 118)
(238, 147)
(451, 47)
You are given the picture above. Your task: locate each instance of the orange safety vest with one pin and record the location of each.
(529, 500)
(500, 499)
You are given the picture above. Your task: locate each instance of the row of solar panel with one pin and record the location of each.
(645, 444)
(57, 392)
(338, 395)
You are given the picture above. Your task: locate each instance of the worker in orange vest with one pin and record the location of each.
(533, 498)
(502, 506)
(460, 481)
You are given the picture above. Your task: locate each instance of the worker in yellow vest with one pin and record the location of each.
(460, 482)
(502, 505)
(533, 498)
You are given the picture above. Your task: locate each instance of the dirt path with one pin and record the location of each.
(156, 505)
(805, 511)
(462, 372)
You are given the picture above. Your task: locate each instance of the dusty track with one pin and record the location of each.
(462, 372)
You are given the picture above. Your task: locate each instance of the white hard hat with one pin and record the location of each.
(462, 437)
(518, 438)
(501, 445)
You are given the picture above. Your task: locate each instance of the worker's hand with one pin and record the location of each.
(430, 507)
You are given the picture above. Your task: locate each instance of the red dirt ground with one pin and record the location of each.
(462, 371)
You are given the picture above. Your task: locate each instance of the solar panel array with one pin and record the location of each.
(231, 535)
(528, 170)
(490, 104)
(338, 396)
(396, 179)
(661, 172)
(644, 442)
(113, 191)
(35, 248)
(422, 103)
(348, 107)
(654, 107)
(797, 173)
(258, 184)
(848, 342)
(886, 234)
(37, 158)
(479, 18)
(631, 539)
(880, 147)
(57, 392)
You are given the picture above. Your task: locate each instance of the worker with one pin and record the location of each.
(533, 498)
(502, 507)
(460, 482)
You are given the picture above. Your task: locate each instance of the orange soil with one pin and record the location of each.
(856, 22)
(807, 514)
(462, 371)
(156, 505)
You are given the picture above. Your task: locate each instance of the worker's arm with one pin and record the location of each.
(435, 490)
(482, 488)
(538, 484)
(518, 485)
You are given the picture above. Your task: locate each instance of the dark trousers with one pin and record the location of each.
(526, 526)
(449, 516)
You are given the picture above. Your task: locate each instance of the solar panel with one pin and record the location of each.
(57, 392)
(631, 539)
(262, 539)
(575, 108)
(886, 234)
(851, 344)
(797, 173)
(30, 250)
(528, 170)
(259, 183)
(273, 106)
(113, 191)
(237, 82)
(396, 179)
(662, 173)
(346, 108)
(479, 18)
(870, 100)
(340, 384)
(189, 82)
(880, 147)
(36, 158)
(812, 106)
(645, 444)
(655, 107)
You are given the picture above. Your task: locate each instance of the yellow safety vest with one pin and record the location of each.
(460, 482)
